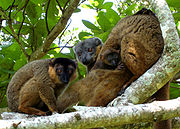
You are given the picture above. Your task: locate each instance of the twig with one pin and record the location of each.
(3, 94)
(7, 31)
(64, 8)
(11, 10)
(46, 16)
(17, 39)
(64, 31)
(23, 18)
(175, 87)
(81, 2)
(32, 44)
(20, 9)
(65, 44)
(60, 6)
(60, 47)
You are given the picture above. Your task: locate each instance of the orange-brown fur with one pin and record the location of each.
(53, 76)
(139, 40)
(33, 87)
(97, 89)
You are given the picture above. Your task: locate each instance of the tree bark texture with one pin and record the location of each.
(102, 116)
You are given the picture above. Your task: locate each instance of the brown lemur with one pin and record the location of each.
(36, 84)
(138, 39)
(87, 51)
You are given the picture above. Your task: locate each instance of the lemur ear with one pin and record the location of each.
(51, 63)
(98, 41)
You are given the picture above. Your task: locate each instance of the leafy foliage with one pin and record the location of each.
(25, 25)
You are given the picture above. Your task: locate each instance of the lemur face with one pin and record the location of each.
(62, 70)
(86, 50)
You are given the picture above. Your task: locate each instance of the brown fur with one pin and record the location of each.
(31, 88)
(139, 40)
(97, 89)
(53, 76)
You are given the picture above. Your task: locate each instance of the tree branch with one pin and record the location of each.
(11, 10)
(59, 6)
(166, 67)
(101, 116)
(46, 16)
(64, 32)
(65, 44)
(66, 4)
(23, 18)
(59, 27)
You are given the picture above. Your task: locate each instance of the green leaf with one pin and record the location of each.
(104, 22)
(107, 5)
(5, 65)
(174, 90)
(129, 10)
(72, 53)
(87, 6)
(97, 3)
(13, 52)
(82, 35)
(52, 14)
(20, 4)
(19, 16)
(63, 2)
(90, 25)
(32, 12)
(20, 62)
(66, 55)
(41, 28)
(5, 3)
(103, 36)
(82, 69)
(176, 17)
(112, 16)
(25, 29)
(77, 10)
(4, 70)
(174, 3)
(38, 1)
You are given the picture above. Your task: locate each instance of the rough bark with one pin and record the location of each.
(102, 116)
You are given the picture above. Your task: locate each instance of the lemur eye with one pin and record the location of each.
(59, 70)
(89, 49)
(79, 53)
(70, 71)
